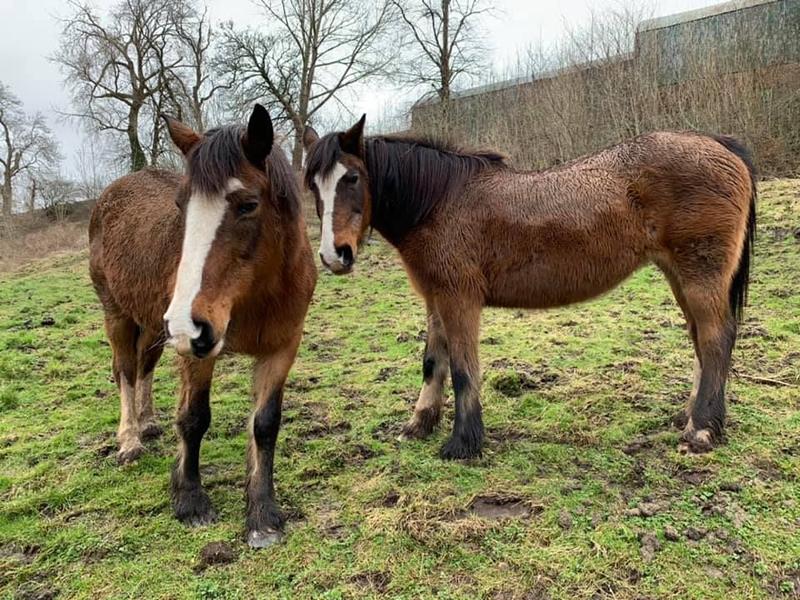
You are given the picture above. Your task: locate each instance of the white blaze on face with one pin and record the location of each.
(327, 194)
(203, 216)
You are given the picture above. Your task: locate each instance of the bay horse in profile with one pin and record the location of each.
(217, 259)
(474, 232)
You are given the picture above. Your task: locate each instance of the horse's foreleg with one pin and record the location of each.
(264, 518)
(149, 349)
(122, 334)
(435, 366)
(461, 324)
(190, 501)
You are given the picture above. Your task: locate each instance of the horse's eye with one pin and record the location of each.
(350, 178)
(245, 208)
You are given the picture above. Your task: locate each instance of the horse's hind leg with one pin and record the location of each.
(428, 410)
(190, 502)
(122, 334)
(716, 334)
(681, 418)
(148, 352)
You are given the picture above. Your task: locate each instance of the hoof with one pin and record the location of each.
(680, 419)
(193, 508)
(263, 538)
(128, 454)
(421, 425)
(415, 430)
(459, 449)
(696, 441)
(151, 431)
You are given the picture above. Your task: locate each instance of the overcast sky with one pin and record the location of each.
(29, 36)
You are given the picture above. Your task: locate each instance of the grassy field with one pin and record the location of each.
(581, 492)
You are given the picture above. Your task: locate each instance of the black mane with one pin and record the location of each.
(218, 157)
(408, 176)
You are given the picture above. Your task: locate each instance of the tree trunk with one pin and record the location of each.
(444, 71)
(297, 149)
(32, 197)
(7, 193)
(138, 158)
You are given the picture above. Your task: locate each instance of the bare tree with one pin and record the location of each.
(195, 87)
(444, 44)
(115, 69)
(26, 143)
(94, 166)
(56, 194)
(314, 50)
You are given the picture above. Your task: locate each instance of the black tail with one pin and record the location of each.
(741, 278)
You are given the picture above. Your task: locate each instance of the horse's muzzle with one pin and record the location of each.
(343, 263)
(204, 344)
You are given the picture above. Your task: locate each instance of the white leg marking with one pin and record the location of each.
(203, 216)
(130, 446)
(327, 193)
(128, 423)
(698, 372)
(144, 397)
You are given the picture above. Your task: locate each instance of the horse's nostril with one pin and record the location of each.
(203, 344)
(345, 255)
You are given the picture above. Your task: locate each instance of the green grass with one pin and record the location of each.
(565, 392)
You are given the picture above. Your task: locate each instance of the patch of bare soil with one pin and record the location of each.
(391, 499)
(506, 435)
(376, 581)
(19, 554)
(388, 430)
(431, 524)
(496, 507)
(521, 377)
(781, 233)
(214, 554)
(693, 476)
(535, 593)
(37, 593)
(385, 373)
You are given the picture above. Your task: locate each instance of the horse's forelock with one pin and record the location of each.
(323, 157)
(216, 159)
(219, 157)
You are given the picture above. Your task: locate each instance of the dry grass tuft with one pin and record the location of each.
(22, 247)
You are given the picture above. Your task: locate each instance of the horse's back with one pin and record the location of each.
(575, 231)
(145, 189)
(133, 232)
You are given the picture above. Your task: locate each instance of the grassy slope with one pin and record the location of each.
(565, 392)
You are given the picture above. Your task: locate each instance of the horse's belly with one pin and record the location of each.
(547, 281)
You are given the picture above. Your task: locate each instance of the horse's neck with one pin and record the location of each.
(395, 209)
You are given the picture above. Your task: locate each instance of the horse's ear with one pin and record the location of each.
(183, 136)
(258, 141)
(352, 140)
(310, 137)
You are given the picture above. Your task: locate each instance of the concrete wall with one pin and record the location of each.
(731, 68)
